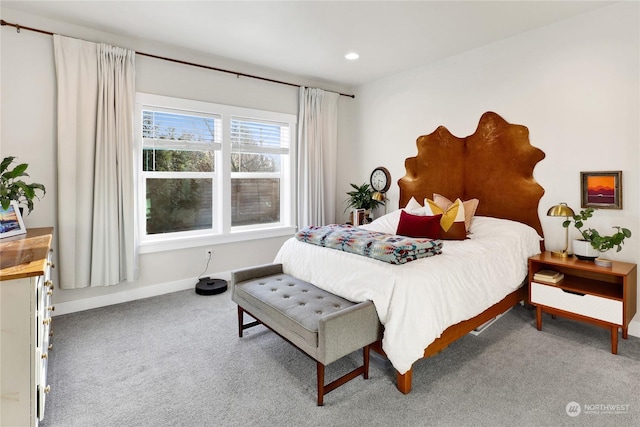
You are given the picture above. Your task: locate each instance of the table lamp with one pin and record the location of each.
(379, 196)
(562, 210)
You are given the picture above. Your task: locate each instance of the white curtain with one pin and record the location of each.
(317, 156)
(96, 215)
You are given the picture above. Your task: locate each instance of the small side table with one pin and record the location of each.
(604, 296)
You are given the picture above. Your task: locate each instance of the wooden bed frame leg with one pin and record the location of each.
(404, 381)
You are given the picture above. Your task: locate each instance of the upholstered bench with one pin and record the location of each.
(323, 325)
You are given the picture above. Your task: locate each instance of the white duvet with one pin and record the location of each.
(418, 300)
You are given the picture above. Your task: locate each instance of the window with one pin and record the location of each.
(257, 152)
(209, 170)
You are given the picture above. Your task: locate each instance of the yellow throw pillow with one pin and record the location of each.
(470, 207)
(452, 222)
(453, 213)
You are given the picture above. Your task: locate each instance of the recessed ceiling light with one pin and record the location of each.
(352, 56)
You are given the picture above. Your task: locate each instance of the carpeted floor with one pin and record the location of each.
(176, 360)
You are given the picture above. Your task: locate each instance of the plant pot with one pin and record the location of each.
(583, 250)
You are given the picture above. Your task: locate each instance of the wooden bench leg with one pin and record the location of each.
(324, 389)
(365, 357)
(321, 392)
(241, 325)
(240, 321)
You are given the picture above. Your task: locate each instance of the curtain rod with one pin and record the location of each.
(20, 27)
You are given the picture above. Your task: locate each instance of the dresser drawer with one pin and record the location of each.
(605, 309)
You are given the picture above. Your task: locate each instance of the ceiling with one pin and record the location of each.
(310, 38)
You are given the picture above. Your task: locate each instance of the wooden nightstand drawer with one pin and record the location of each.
(605, 309)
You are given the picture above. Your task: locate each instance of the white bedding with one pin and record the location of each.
(418, 300)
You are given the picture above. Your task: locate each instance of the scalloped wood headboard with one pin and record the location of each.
(494, 165)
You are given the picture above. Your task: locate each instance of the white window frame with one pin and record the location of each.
(222, 231)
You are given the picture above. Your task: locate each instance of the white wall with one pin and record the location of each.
(28, 130)
(574, 84)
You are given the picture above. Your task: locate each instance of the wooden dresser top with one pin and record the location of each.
(25, 255)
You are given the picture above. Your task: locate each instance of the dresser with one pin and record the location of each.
(25, 324)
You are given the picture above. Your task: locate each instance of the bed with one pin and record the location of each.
(426, 304)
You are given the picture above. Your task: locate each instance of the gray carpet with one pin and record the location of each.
(176, 360)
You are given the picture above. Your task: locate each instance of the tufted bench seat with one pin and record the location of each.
(321, 324)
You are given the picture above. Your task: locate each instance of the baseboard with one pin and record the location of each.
(126, 296)
(634, 328)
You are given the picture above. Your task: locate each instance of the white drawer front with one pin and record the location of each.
(604, 309)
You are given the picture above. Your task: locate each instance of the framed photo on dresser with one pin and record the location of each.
(11, 223)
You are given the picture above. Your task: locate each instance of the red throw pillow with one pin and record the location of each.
(419, 225)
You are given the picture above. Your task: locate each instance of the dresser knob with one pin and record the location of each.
(47, 389)
(51, 333)
(51, 308)
(50, 292)
(46, 321)
(52, 265)
(45, 356)
(50, 347)
(48, 284)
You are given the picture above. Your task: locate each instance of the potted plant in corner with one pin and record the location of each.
(13, 187)
(592, 243)
(361, 198)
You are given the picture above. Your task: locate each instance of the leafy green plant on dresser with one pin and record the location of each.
(13, 186)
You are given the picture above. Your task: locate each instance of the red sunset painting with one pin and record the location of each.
(601, 189)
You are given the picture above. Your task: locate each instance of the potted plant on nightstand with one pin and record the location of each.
(13, 187)
(361, 198)
(592, 243)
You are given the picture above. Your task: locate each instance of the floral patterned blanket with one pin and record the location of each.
(381, 246)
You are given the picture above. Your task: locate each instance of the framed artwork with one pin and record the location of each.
(601, 189)
(11, 221)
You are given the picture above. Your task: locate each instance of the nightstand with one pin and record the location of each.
(605, 296)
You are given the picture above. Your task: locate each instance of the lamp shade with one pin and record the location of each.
(560, 210)
(377, 196)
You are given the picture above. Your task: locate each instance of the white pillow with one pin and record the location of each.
(414, 207)
(388, 223)
(385, 224)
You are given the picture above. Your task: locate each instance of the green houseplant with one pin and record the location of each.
(361, 197)
(597, 241)
(13, 187)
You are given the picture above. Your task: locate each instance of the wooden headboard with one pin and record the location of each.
(494, 165)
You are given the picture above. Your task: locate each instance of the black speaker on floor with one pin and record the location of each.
(207, 286)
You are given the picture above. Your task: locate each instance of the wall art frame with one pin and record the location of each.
(601, 190)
